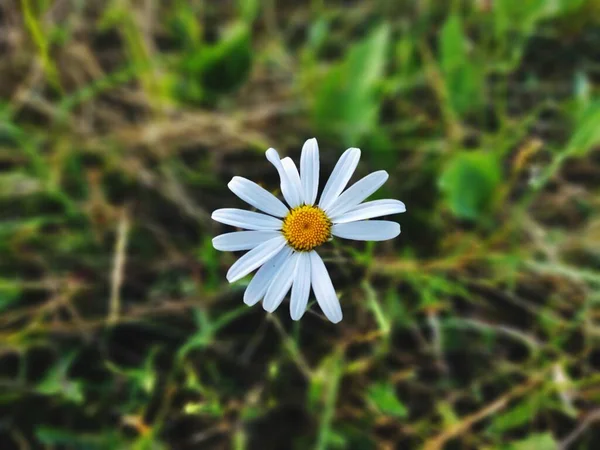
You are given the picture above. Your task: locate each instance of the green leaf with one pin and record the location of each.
(469, 183)
(78, 441)
(464, 78)
(523, 15)
(405, 54)
(18, 184)
(448, 415)
(517, 14)
(587, 131)
(336, 439)
(537, 441)
(399, 315)
(383, 397)
(207, 328)
(517, 416)
(381, 317)
(208, 408)
(10, 291)
(147, 441)
(347, 103)
(582, 89)
(57, 383)
(316, 388)
(213, 70)
(185, 25)
(210, 259)
(317, 33)
(144, 377)
(453, 51)
(249, 10)
(250, 412)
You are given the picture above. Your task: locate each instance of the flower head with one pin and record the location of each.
(283, 240)
(306, 227)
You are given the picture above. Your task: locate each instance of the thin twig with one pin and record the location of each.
(433, 320)
(573, 435)
(292, 348)
(118, 268)
(438, 442)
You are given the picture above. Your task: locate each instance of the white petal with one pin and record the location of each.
(257, 196)
(301, 287)
(323, 289)
(255, 258)
(367, 210)
(292, 173)
(309, 171)
(242, 240)
(264, 277)
(356, 193)
(246, 219)
(289, 191)
(367, 230)
(281, 283)
(342, 172)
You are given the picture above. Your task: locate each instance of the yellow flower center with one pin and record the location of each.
(306, 227)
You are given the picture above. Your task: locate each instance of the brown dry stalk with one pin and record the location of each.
(118, 268)
(438, 442)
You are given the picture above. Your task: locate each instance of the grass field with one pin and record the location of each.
(121, 123)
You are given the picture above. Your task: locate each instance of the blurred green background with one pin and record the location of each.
(122, 121)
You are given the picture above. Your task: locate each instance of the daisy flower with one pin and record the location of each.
(282, 240)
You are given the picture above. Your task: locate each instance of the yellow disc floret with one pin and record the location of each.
(306, 227)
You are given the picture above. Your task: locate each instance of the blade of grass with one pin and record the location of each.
(335, 374)
(35, 28)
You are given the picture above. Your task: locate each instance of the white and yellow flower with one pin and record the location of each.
(282, 241)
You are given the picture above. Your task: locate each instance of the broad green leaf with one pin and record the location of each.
(248, 9)
(317, 33)
(582, 88)
(10, 291)
(383, 397)
(469, 183)
(367, 59)
(537, 441)
(212, 70)
(517, 13)
(405, 53)
(523, 15)
(185, 26)
(346, 102)
(57, 383)
(250, 412)
(226, 65)
(517, 416)
(586, 135)
(463, 77)
(453, 45)
(336, 440)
